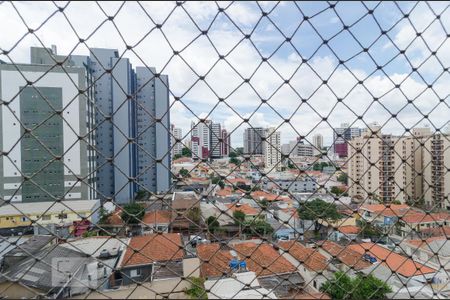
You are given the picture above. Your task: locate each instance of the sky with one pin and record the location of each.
(303, 87)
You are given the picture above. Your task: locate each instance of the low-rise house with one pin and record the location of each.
(347, 232)
(243, 285)
(24, 247)
(270, 197)
(250, 212)
(310, 263)
(273, 271)
(54, 272)
(400, 265)
(150, 257)
(383, 215)
(186, 208)
(157, 221)
(343, 258)
(433, 252)
(411, 224)
(113, 224)
(45, 214)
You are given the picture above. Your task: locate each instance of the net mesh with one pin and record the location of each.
(224, 149)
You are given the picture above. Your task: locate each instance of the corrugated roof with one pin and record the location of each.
(32, 208)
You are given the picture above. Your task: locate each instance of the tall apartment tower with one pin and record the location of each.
(318, 141)
(200, 139)
(253, 140)
(45, 131)
(226, 143)
(153, 131)
(436, 175)
(177, 135)
(115, 118)
(215, 148)
(272, 149)
(341, 137)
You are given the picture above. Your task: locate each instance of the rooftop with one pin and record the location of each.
(51, 207)
(245, 208)
(263, 195)
(394, 261)
(185, 200)
(346, 255)
(262, 259)
(311, 258)
(146, 249)
(158, 217)
(349, 229)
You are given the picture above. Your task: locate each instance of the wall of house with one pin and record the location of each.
(11, 290)
(145, 274)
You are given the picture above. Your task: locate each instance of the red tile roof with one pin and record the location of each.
(424, 243)
(152, 248)
(158, 217)
(262, 259)
(420, 217)
(311, 258)
(115, 218)
(394, 261)
(437, 231)
(349, 229)
(346, 255)
(245, 208)
(383, 210)
(260, 195)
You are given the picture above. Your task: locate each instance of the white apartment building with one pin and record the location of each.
(272, 149)
(177, 135)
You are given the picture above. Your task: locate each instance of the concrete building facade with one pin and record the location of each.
(272, 149)
(41, 120)
(253, 140)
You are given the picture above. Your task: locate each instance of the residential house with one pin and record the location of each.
(400, 265)
(348, 232)
(310, 263)
(433, 251)
(157, 221)
(186, 207)
(343, 258)
(150, 257)
(273, 271)
(251, 213)
(411, 224)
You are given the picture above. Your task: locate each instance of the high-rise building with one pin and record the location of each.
(272, 149)
(45, 130)
(341, 136)
(200, 139)
(226, 143)
(176, 144)
(132, 123)
(436, 175)
(153, 127)
(209, 140)
(317, 143)
(253, 140)
(389, 168)
(215, 148)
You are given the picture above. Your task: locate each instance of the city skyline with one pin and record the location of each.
(286, 60)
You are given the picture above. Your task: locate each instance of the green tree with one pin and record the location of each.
(232, 154)
(141, 194)
(186, 152)
(177, 156)
(103, 216)
(338, 191)
(197, 289)
(368, 230)
(318, 209)
(235, 161)
(218, 180)
(195, 215)
(212, 223)
(343, 177)
(259, 227)
(184, 172)
(132, 213)
(239, 217)
(341, 286)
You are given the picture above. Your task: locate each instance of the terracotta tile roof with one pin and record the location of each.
(262, 259)
(158, 217)
(115, 218)
(235, 181)
(245, 208)
(152, 248)
(437, 231)
(311, 258)
(346, 255)
(393, 210)
(349, 229)
(394, 261)
(424, 243)
(182, 160)
(259, 195)
(420, 217)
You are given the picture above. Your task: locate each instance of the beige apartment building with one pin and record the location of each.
(406, 168)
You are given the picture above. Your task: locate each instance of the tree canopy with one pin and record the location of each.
(318, 209)
(341, 286)
(132, 213)
(212, 223)
(239, 217)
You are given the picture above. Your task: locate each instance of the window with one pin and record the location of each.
(135, 273)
